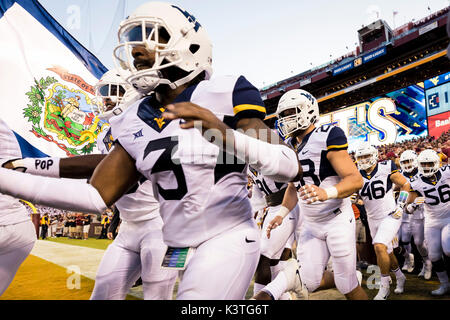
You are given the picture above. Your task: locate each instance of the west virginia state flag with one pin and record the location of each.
(46, 83)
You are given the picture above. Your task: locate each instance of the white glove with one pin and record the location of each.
(397, 213)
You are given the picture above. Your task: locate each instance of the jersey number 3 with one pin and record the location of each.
(165, 163)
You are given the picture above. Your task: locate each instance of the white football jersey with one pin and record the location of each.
(317, 170)
(419, 212)
(139, 204)
(105, 141)
(265, 185)
(377, 192)
(436, 193)
(258, 200)
(11, 210)
(200, 194)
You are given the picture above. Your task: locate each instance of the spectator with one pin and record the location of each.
(53, 223)
(86, 225)
(105, 225)
(78, 226)
(45, 221)
(66, 226)
(59, 227)
(115, 221)
(442, 156)
(72, 226)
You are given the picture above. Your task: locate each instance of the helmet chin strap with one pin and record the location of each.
(147, 83)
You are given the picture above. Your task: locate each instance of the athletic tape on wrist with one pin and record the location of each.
(283, 212)
(332, 192)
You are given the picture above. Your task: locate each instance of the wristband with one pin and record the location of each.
(47, 167)
(410, 208)
(332, 192)
(402, 197)
(283, 212)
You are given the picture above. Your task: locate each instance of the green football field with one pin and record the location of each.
(90, 243)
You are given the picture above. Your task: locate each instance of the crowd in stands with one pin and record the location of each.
(55, 223)
(393, 151)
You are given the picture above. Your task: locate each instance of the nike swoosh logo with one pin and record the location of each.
(305, 152)
(249, 241)
(351, 220)
(291, 218)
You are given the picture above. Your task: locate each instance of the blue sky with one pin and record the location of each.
(266, 41)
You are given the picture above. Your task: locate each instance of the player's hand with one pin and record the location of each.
(278, 220)
(397, 213)
(110, 235)
(419, 200)
(312, 193)
(192, 113)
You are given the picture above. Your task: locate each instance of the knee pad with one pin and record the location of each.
(311, 279)
(346, 285)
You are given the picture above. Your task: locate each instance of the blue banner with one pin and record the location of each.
(343, 68)
(373, 55)
(437, 81)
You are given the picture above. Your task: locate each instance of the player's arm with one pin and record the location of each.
(268, 148)
(414, 201)
(78, 167)
(351, 180)
(290, 200)
(254, 143)
(112, 178)
(404, 187)
(400, 182)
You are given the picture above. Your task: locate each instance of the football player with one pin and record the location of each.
(413, 225)
(139, 247)
(432, 190)
(383, 214)
(276, 250)
(199, 180)
(17, 231)
(329, 178)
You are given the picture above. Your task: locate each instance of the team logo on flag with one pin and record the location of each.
(62, 112)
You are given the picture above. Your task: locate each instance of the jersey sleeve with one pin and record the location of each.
(247, 101)
(415, 186)
(445, 171)
(336, 140)
(394, 168)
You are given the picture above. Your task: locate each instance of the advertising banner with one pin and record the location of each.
(394, 117)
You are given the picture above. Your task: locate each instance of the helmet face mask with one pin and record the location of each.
(297, 110)
(366, 156)
(158, 37)
(110, 91)
(148, 35)
(429, 162)
(408, 161)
